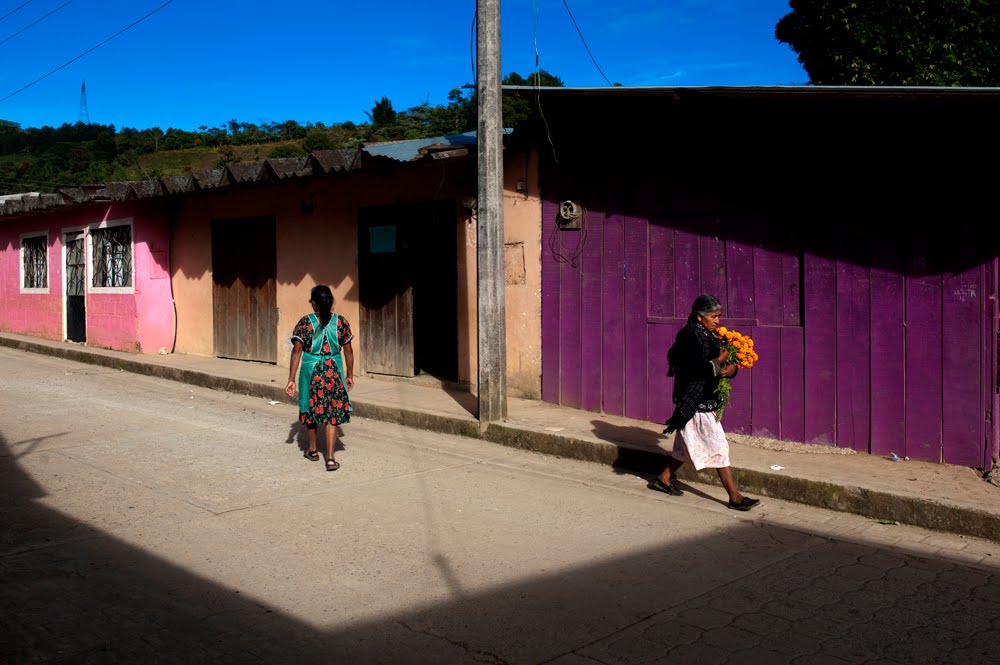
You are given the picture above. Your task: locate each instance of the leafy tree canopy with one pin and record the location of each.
(895, 42)
(48, 158)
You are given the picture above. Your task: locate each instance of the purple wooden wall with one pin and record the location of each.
(877, 346)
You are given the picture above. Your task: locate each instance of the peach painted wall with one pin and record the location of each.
(141, 320)
(317, 247)
(522, 279)
(321, 247)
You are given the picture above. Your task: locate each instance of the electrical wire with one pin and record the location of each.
(37, 21)
(15, 9)
(94, 48)
(579, 32)
(575, 255)
(538, 91)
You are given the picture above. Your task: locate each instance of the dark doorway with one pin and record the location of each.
(408, 285)
(244, 290)
(76, 299)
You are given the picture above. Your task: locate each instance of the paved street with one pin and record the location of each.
(149, 521)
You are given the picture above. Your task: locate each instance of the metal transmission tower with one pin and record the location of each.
(84, 114)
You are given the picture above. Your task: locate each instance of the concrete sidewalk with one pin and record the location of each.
(933, 496)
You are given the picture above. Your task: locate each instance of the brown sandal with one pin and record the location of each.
(332, 465)
(311, 455)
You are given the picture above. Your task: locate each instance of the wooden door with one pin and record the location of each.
(386, 289)
(244, 292)
(76, 311)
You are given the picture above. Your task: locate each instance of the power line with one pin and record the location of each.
(15, 9)
(566, 4)
(94, 48)
(36, 22)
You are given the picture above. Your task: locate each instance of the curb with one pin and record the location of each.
(874, 504)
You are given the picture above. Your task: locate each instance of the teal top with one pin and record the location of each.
(315, 354)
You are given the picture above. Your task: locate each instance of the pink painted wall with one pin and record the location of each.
(139, 321)
(35, 314)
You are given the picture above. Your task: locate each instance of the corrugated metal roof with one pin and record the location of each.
(409, 150)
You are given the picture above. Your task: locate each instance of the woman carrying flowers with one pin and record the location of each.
(699, 361)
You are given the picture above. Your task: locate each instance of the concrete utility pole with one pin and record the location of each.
(491, 304)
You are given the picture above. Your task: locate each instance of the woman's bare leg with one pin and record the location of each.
(671, 469)
(331, 442)
(726, 476)
(311, 433)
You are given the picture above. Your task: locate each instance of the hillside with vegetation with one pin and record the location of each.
(45, 159)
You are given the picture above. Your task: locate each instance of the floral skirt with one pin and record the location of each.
(702, 443)
(328, 400)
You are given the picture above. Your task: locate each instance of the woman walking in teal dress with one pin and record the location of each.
(317, 342)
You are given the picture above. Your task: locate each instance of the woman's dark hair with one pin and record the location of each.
(704, 305)
(322, 297)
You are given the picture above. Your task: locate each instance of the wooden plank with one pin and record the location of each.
(570, 319)
(792, 384)
(769, 277)
(662, 291)
(551, 342)
(765, 383)
(991, 375)
(636, 308)
(659, 404)
(662, 303)
(738, 416)
(402, 355)
(613, 297)
(244, 295)
(923, 352)
(739, 280)
(888, 349)
(712, 268)
(963, 422)
(791, 263)
(592, 333)
(819, 291)
(687, 271)
(853, 359)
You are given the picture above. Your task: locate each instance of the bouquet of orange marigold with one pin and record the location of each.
(741, 354)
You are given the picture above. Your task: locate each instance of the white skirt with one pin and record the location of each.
(702, 443)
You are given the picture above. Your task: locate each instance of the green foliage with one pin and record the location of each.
(317, 139)
(724, 394)
(382, 114)
(288, 150)
(895, 42)
(227, 155)
(49, 158)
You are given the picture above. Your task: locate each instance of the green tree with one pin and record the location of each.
(895, 42)
(287, 150)
(317, 139)
(382, 114)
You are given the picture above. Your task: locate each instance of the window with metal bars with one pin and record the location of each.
(112, 261)
(35, 259)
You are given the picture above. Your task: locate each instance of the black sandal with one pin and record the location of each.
(332, 465)
(311, 455)
(744, 504)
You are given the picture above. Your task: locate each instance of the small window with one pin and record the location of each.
(112, 256)
(35, 263)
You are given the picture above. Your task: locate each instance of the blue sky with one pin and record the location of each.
(203, 62)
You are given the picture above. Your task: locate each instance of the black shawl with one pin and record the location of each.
(695, 375)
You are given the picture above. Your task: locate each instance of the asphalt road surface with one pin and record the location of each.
(148, 521)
